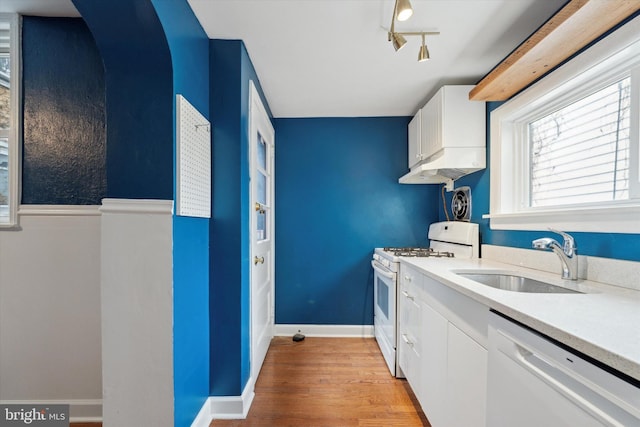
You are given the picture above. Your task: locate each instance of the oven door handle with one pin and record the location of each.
(381, 270)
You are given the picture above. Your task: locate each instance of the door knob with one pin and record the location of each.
(258, 260)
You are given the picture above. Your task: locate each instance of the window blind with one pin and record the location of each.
(580, 153)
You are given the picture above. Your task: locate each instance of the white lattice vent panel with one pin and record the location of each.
(193, 181)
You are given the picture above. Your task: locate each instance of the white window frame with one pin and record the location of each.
(15, 104)
(608, 60)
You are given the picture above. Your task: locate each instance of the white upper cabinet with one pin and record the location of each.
(454, 121)
(415, 151)
(432, 124)
(446, 138)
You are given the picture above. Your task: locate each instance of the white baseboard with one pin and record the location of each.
(204, 417)
(80, 410)
(330, 331)
(226, 407)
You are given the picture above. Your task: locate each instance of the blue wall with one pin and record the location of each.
(189, 47)
(606, 245)
(146, 64)
(64, 143)
(338, 197)
(231, 70)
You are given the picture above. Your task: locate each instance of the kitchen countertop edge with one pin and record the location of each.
(545, 312)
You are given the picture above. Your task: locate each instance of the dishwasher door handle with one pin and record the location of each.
(562, 381)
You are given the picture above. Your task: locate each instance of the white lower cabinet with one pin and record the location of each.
(439, 351)
(410, 343)
(409, 336)
(432, 395)
(466, 380)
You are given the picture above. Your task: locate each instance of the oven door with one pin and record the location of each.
(384, 313)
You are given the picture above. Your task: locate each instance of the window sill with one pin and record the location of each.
(615, 219)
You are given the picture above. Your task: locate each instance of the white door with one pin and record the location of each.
(261, 154)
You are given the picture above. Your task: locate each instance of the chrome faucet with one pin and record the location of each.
(567, 253)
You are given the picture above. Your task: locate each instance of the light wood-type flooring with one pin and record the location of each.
(329, 382)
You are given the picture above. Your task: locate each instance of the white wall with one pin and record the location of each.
(137, 313)
(50, 347)
(86, 311)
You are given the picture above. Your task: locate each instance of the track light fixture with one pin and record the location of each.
(398, 41)
(402, 11)
(423, 53)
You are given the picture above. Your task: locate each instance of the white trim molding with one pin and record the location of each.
(610, 58)
(332, 331)
(59, 210)
(226, 407)
(15, 106)
(609, 219)
(204, 417)
(137, 206)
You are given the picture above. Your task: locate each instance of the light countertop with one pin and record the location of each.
(603, 322)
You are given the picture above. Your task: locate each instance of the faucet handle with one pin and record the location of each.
(569, 243)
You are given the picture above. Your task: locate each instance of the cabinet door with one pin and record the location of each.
(410, 345)
(415, 152)
(431, 132)
(434, 366)
(463, 121)
(466, 380)
(409, 340)
(403, 349)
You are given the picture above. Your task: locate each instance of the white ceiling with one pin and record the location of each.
(331, 58)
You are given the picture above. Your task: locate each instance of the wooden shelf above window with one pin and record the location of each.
(573, 27)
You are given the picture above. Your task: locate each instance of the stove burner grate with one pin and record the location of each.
(418, 252)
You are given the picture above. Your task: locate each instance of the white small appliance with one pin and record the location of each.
(451, 239)
(534, 381)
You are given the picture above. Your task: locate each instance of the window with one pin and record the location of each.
(580, 153)
(564, 153)
(9, 119)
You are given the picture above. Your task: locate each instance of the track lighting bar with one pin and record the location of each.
(398, 40)
(417, 33)
(402, 11)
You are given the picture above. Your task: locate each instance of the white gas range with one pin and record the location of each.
(446, 239)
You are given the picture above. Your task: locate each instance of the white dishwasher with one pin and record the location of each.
(533, 382)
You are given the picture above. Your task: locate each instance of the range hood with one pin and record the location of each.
(446, 166)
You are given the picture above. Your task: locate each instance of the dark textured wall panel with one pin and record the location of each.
(64, 154)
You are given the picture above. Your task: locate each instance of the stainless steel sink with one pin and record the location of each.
(509, 282)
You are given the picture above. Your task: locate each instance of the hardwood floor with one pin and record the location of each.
(329, 382)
